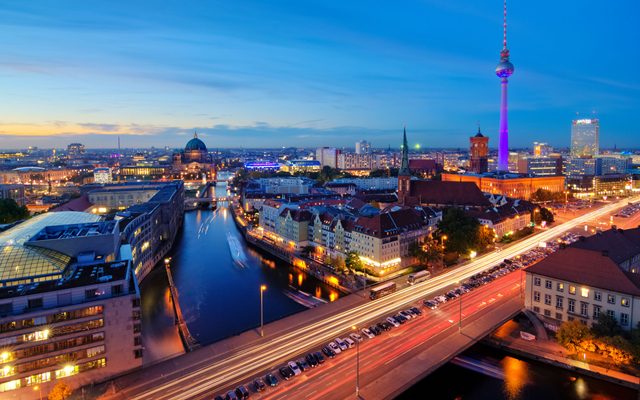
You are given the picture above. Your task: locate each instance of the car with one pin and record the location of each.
(393, 321)
(400, 318)
(259, 385)
(350, 342)
(318, 357)
(286, 373)
(367, 332)
(385, 326)
(407, 314)
(231, 395)
(311, 360)
(294, 367)
(242, 392)
(416, 311)
(334, 346)
(356, 337)
(430, 304)
(218, 397)
(375, 329)
(342, 345)
(302, 363)
(328, 351)
(271, 380)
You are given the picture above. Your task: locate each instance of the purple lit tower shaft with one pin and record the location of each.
(504, 71)
(503, 148)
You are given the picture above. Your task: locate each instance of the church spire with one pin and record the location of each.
(404, 167)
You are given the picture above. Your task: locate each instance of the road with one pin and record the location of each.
(219, 372)
(335, 379)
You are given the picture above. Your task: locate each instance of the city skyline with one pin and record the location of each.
(323, 75)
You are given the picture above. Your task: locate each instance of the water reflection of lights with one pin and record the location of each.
(333, 295)
(300, 279)
(318, 292)
(516, 376)
(582, 390)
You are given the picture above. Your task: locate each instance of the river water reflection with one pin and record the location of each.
(218, 297)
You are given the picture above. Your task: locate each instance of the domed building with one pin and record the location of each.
(195, 150)
(195, 159)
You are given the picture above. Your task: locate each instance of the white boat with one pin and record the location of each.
(237, 253)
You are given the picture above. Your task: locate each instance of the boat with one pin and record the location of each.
(237, 253)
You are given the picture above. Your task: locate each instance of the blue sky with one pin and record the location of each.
(310, 73)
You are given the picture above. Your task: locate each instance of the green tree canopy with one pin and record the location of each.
(10, 211)
(464, 233)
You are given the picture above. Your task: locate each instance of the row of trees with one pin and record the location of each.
(605, 338)
(10, 211)
(462, 233)
(543, 195)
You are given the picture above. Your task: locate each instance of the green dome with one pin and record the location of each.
(195, 144)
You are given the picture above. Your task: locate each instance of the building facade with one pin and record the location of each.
(585, 137)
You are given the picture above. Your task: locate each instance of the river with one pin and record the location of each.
(218, 298)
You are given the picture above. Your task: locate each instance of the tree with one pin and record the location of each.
(10, 211)
(606, 326)
(543, 195)
(353, 262)
(572, 333)
(426, 252)
(61, 391)
(543, 214)
(464, 232)
(306, 250)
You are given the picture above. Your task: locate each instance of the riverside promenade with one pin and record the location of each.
(507, 338)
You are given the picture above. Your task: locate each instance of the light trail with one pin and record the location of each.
(248, 361)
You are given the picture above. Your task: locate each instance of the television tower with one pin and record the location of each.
(504, 71)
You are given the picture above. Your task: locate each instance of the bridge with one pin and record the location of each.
(389, 363)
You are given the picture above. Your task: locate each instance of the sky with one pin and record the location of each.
(313, 73)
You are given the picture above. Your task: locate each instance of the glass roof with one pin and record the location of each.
(19, 262)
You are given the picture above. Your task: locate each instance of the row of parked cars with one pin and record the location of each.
(507, 266)
(317, 358)
(629, 210)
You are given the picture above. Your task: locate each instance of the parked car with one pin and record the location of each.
(393, 321)
(350, 342)
(242, 392)
(341, 344)
(376, 329)
(319, 357)
(231, 395)
(259, 385)
(294, 367)
(407, 314)
(367, 332)
(311, 360)
(302, 363)
(356, 337)
(400, 318)
(286, 373)
(218, 397)
(271, 380)
(328, 351)
(416, 311)
(334, 346)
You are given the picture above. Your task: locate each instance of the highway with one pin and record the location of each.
(221, 372)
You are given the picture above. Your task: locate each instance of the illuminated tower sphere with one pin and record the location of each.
(504, 69)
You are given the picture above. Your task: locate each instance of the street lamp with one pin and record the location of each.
(262, 289)
(354, 328)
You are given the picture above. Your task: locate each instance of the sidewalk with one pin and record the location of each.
(550, 352)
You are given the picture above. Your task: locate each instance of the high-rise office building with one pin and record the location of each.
(75, 150)
(363, 147)
(585, 137)
(328, 156)
(479, 153)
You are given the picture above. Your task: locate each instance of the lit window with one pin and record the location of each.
(68, 370)
(6, 371)
(584, 292)
(36, 336)
(560, 287)
(572, 289)
(624, 302)
(11, 385)
(38, 378)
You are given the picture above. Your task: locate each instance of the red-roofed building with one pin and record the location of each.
(595, 275)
